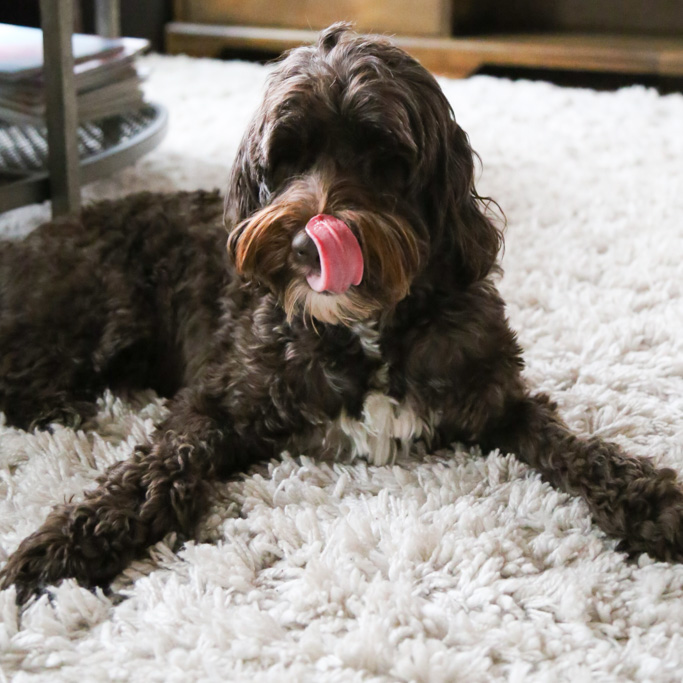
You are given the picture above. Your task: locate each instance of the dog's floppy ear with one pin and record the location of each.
(247, 188)
(466, 234)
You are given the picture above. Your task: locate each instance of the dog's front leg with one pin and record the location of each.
(158, 490)
(628, 496)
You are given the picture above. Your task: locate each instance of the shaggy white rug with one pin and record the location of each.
(454, 568)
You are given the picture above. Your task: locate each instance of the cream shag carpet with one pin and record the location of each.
(455, 568)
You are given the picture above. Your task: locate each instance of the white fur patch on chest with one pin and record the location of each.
(387, 428)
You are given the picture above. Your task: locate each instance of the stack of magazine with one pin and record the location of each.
(106, 79)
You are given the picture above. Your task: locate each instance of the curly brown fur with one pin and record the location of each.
(142, 293)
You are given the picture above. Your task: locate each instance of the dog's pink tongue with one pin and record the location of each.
(341, 259)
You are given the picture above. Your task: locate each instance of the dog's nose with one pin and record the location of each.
(304, 251)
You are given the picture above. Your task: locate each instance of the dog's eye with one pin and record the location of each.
(286, 166)
(389, 169)
(281, 170)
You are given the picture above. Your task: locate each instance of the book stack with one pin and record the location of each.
(106, 79)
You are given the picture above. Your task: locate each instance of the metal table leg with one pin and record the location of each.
(62, 119)
(108, 18)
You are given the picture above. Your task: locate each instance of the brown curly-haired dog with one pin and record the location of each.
(353, 313)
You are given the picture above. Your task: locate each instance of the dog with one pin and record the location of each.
(353, 313)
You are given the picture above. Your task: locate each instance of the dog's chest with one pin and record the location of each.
(386, 426)
(386, 429)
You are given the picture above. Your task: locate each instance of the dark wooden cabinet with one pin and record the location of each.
(454, 37)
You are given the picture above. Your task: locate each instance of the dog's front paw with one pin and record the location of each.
(654, 518)
(39, 561)
(64, 547)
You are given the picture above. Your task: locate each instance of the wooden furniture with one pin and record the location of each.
(425, 18)
(558, 41)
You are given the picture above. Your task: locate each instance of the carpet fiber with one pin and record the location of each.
(454, 567)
